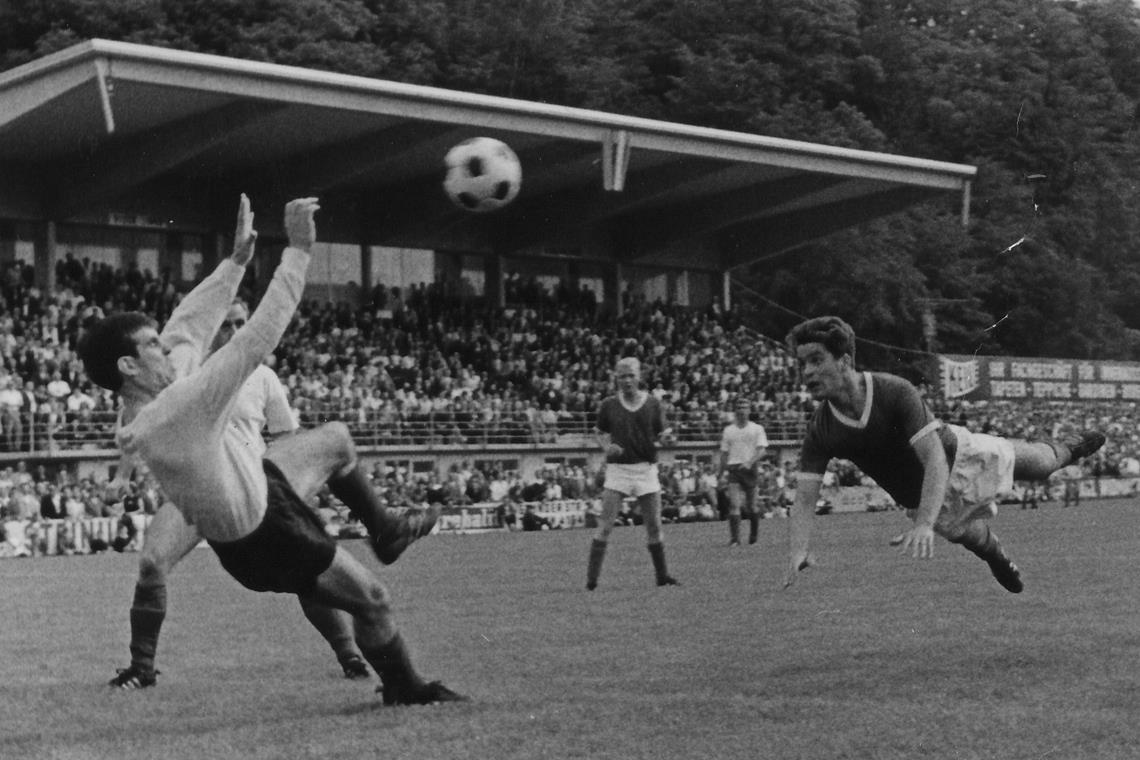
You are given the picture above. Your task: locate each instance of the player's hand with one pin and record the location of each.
(613, 450)
(919, 540)
(244, 233)
(799, 562)
(299, 225)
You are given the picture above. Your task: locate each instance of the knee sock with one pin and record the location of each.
(355, 490)
(753, 527)
(393, 665)
(334, 625)
(734, 528)
(594, 567)
(980, 540)
(657, 553)
(148, 610)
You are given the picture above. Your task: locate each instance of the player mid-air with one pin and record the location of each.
(252, 509)
(947, 478)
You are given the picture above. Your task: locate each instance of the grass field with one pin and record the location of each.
(869, 655)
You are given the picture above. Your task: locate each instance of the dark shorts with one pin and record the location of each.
(745, 477)
(287, 551)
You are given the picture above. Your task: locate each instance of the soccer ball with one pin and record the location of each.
(483, 174)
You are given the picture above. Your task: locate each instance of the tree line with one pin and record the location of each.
(1041, 95)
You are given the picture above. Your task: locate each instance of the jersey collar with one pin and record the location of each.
(868, 399)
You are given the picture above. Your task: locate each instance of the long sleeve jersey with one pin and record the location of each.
(205, 466)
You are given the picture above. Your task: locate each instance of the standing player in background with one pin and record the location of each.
(630, 426)
(260, 402)
(742, 445)
(946, 477)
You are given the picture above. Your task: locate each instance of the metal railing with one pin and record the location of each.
(94, 431)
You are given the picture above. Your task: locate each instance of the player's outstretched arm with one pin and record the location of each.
(245, 236)
(799, 526)
(193, 323)
(919, 539)
(300, 228)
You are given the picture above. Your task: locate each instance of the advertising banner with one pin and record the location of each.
(977, 378)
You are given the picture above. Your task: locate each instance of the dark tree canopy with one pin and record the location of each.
(1041, 95)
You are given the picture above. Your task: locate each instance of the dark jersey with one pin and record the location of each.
(881, 441)
(636, 432)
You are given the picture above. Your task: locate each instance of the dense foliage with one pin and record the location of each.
(1042, 96)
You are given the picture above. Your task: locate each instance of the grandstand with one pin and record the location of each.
(126, 205)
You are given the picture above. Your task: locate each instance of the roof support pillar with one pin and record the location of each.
(46, 253)
(615, 160)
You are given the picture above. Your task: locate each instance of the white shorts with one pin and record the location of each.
(632, 479)
(982, 472)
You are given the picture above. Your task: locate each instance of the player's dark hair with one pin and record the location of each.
(106, 341)
(831, 332)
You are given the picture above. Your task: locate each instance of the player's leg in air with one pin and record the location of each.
(307, 464)
(984, 468)
(331, 448)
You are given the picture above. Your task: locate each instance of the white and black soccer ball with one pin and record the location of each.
(483, 174)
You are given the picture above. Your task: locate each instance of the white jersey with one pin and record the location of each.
(742, 444)
(184, 435)
(261, 405)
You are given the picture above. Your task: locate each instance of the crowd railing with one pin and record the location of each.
(94, 431)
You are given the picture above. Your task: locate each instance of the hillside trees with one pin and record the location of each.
(1041, 95)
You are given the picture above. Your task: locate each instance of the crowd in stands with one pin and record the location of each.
(426, 365)
(431, 364)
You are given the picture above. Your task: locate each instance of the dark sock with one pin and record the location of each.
(980, 540)
(753, 527)
(148, 610)
(334, 625)
(657, 553)
(355, 490)
(1063, 453)
(393, 665)
(734, 528)
(594, 567)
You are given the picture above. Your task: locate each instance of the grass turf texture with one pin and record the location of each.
(869, 655)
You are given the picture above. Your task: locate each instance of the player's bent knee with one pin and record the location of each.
(338, 439)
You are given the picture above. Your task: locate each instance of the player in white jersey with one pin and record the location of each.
(253, 510)
(260, 412)
(742, 445)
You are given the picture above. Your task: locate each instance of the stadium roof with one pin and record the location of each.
(106, 128)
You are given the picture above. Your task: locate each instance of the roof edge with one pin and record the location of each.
(147, 54)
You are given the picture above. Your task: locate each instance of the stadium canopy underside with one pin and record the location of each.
(108, 130)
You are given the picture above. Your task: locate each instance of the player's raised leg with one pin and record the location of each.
(327, 455)
(1037, 460)
(978, 538)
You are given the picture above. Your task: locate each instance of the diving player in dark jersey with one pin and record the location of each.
(947, 478)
